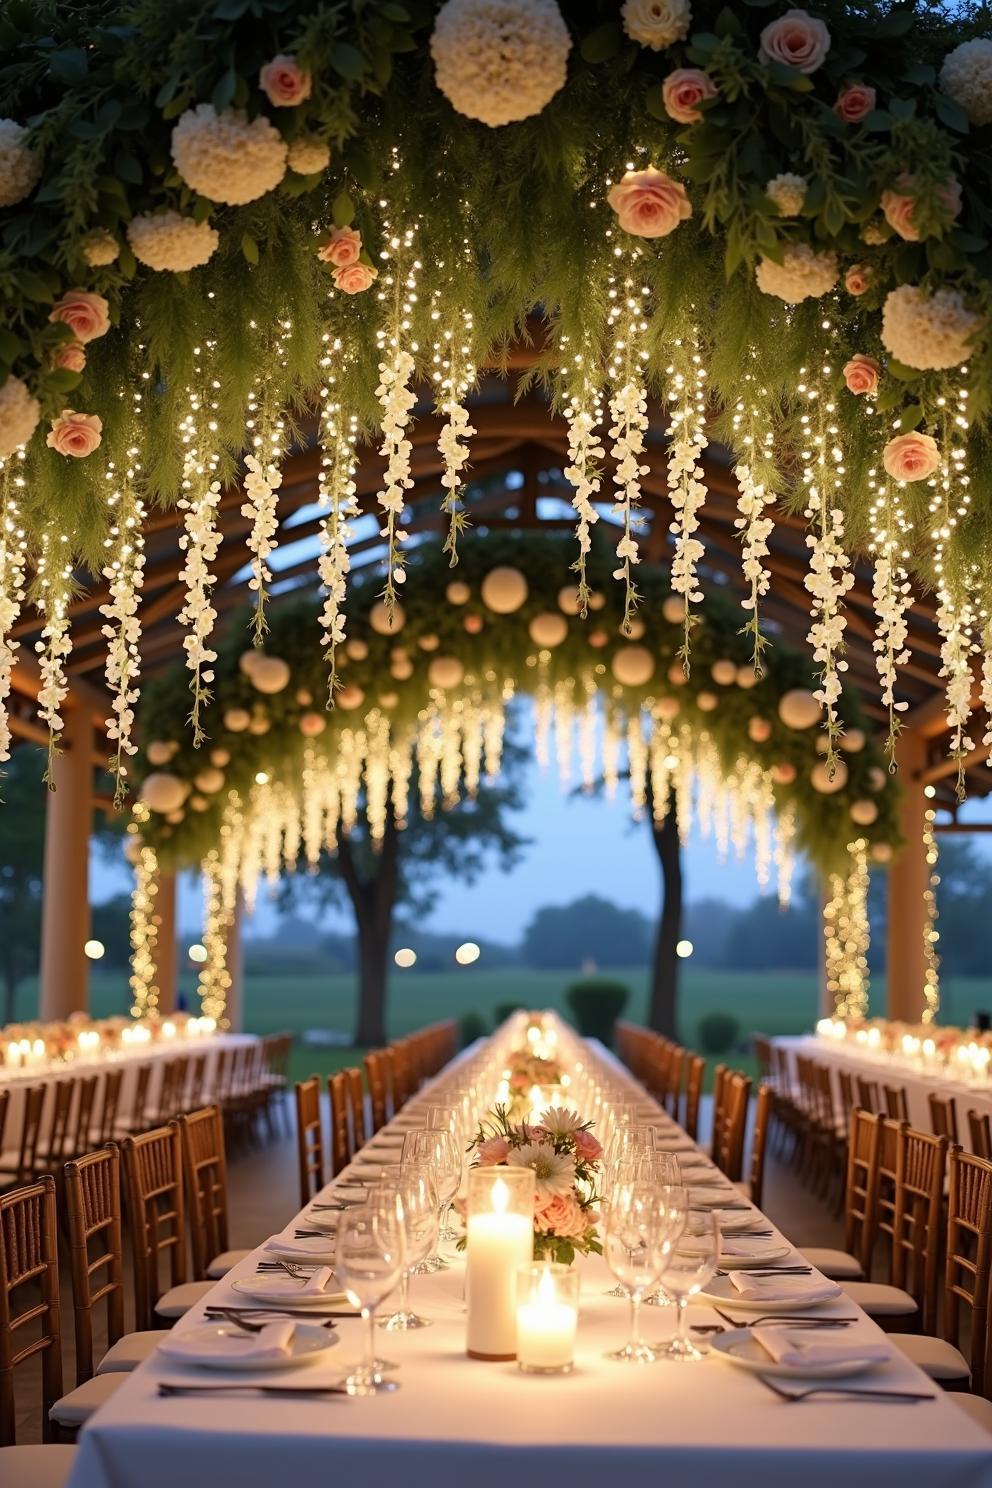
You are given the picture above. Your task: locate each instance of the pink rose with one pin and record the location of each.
(87, 315)
(649, 204)
(342, 249)
(683, 91)
(75, 434)
(284, 82)
(493, 1151)
(861, 374)
(564, 1216)
(354, 278)
(855, 102)
(71, 357)
(857, 279)
(586, 1147)
(796, 40)
(899, 207)
(911, 457)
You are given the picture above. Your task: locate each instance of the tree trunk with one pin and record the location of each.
(373, 898)
(663, 1008)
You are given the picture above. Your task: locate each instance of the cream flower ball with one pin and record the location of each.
(788, 192)
(966, 76)
(928, 332)
(308, 155)
(20, 166)
(170, 241)
(100, 249)
(19, 415)
(656, 23)
(803, 274)
(500, 60)
(226, 157)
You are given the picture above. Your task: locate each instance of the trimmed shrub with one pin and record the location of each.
(471, 1026)
(718, 1032)
(597, 1003)
(504, 1010)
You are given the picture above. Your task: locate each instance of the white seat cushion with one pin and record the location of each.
(935, 1356)
(35, 1467)
(880, 1301)
(975, 1406)
(128, 1352)
(76, 1407)
(837, 1264)
(179, 1299)
(220, 1265)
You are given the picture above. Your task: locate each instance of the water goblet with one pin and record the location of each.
(635, 1232)
(412, 1185)
(437, 1148)
(368, 1263)
(687, 1270)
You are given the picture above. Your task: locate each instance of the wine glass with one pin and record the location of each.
(661, 1171)
(412, 1185)
(687, 1270)
(635, 1233)
(617, 1170)
(436, 1148)
(368, 1264)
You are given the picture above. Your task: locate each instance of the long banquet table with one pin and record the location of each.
(702, 1425)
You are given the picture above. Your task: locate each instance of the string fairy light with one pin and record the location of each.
(931, 935)
(846, 935)
(453, 373)
(266, 430)
(949, 506)
(336, 497)
(893, 597)
(629, 423)
(144, 932)
(201, 537)
(123, 568)
(13, 562)
(51, 592)
(214, 979)
(754, 471)
(686, 486)
(583, 409)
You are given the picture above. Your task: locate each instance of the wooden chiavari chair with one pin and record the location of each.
(337, 1089)
(56, 1147)
(205, 1171)
(394, 1060)
(106, 1127)
(980, 1132)
(168, 1091)
(754, 1187)
(868, 1095)
(762, 1046)
(896, 1104)
(375, 1074)
(356, 1107)
(19, 1165)
(86, 1088)
(860, 1190)
(309, 1138)
(943, 1117)
(676, 1069)
(153, 1178)
(193, 1097)
(911, 1291)
(730, 1127)
(694, 1094)
(137, 1120)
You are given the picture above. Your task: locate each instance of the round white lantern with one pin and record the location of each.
(634, 632)
(458, 592)
(402, 668)
(429, 642)
(259, 724)
(247, 661)
(882, 852)
(877, 778)
(504, 590)
(160, 751)
(445, 671)
(270, 674)
(676, 674)
(707, 702)
(220, 757)
(357, 649)
(673, 609)
(209, 781)
(745, 677)
(598, 639)
(568, 599)
(198, 803)
(473, 624)
(349, 698)
(668, 708)
(784, 773)
(799, 709)
(388, 699)
(312, 724)
(163, 792)
(597, 601)
(724, 672)
(819, 777)
(175, 817)
(548, 629)
(633, 666)
(864, 813)
(381, 621)
(852, 741)
(304, 697)
(759, 730)
(237, 720)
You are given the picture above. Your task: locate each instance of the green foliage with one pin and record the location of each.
(588, 929)
(718, 1032)
(597, 1003)
(471, 1026)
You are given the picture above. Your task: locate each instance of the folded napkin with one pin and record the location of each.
(272, 1344)
(310, 1249)
(315, 1284)
(799, 1289)
(801, 1351)
(745, 1250)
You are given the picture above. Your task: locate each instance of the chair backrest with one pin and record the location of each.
(783, 1071)
(205, 1171)
(759, 1141)
(943, 1117)
(153, 1179)
(85, 1102)
(58, 1126)
(375, 1074)
(337, 1089)
(109, 1106)
(762, 1045)
(138, 1115)
(921, 1163)
(193, 1096)
(93, 1214)
(356, 1107)
(29, 1260)
(309, 1138)
(694, 1093)
(845, 1084)
(895, 1102)
(824, 1109)
(728, 1138)
(861, 1190)
(868, 1095)
(969, 1258)
(673, 1084)
(980, 1132)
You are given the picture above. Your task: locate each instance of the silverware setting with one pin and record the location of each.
(769, 1270)
(790, 1320)
(846, 1392)
(301, 1315)
(222, 1315)
(170, 1387)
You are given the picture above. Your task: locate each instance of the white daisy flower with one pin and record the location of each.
(554, 1172)
(559, 1122)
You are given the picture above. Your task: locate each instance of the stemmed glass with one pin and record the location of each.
(661, 1171)
(635, 1233)
(412, 1186)
(437, 1149)
(368, 1264)
(686, 1272)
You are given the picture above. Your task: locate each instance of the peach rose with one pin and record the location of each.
(899, 207)
(71, 357)
(587, 1147)
(796, 40)
(857, 279)
(342, 248)
(682, 92)
(493, 1151)
(354, 278)
(649, 204)
(861, 374)
(87, 315)
(911, 457)
(284, 82)
(75, 434)
(855, 102)
(562, 1215)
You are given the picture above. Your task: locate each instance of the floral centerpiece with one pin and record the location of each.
(564, 1157)
(527, 1069)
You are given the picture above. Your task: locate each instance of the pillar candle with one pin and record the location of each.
(498, 1243)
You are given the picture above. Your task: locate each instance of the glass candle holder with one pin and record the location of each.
(499, 1230)
(547, 1316)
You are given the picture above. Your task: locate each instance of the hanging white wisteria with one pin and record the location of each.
(893, 597)
(200, 543)
(13, 561)
(336, 487)
(686, 487)
(956, 617)
(51, 592)
(124, 571)
(628, 427)
(454, 374)
(396, 394)
(583, 410)
(986, 689)
(263, 476)
(755, 521)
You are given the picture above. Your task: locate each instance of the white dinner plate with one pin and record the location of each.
(317, 1250)
(284, 1291)
(713, 1198)
(207, 1347)
(760, 1253)
(739, 1346)
(732, 1223)
(722, 1291)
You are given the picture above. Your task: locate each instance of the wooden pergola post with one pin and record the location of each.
(909, 875)
(65, 913)
(166, 973)
(236, 968)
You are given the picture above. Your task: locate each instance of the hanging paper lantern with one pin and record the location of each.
(445, 671)
(784, 773)
(633, 666)
(220, 757)
(160, 751)
(724, 672)
(163, 792)
(473, 624)
(852, 741)
(388, 699)
(882, 852)
(759, 730)
(745, 677)
(237, 720)
(402, 668)
(381, 621)
(357, 649)
(864, 813)
(673, 609)
(198, 803)
(668, 708)
(707, 702)
(259, 724)
(820, 779)
(209, 781)
(504, 590)
(247, 661)
(548, 629)
(597, 601)
(598, 639)
(799, 709)
(429, 642)
(312, 724)
(676, 674)
(270, 674)
(877, 778)
(175, 817)
(458, 592)
(349, 698)
(304, 697)
(568, 599)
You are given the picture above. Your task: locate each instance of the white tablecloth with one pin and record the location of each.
(456, 1421)
(888, 1070)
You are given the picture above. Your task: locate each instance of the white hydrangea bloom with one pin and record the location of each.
(803, 274)
(929, 332)
(100, 249)
(308, 155)
(226, 157)
(500, 60)
(788, 192)
(656, 23)
(20, 166)
(966, 76)
(169, 241)
(19, 415)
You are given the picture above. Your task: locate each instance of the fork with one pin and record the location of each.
(168, 1387)
(221, 1314)
(846, 1392)
(789, 1319)
(769, 1270)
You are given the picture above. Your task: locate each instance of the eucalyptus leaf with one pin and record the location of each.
(602, 43)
